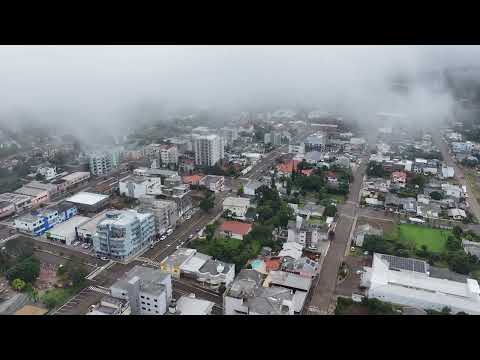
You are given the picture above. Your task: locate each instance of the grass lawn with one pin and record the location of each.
(434, 239)
(340, 199)
(55, 297)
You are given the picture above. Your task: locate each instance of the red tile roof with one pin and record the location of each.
(236, 227)
(288, 167)
(193, 179)
(273, 264)
(307, 172)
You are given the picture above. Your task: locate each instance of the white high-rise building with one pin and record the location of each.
(209, 149)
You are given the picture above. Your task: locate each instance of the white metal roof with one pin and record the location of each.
(86, 198)
(68, 226)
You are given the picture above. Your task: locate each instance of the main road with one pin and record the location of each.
(472, 201)
(324, 288)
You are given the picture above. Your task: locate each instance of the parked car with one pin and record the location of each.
(190, 236)
(104, 258)
(169, 231)
(163, 237)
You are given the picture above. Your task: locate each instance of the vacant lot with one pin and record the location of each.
(433, 239)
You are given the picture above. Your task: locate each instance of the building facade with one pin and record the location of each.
(164, 211)
(123, 234)
(209, 150)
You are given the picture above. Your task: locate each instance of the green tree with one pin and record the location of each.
(27, 269)
(19, 248)
(330, 211)
(207, 203)
(18, 284)
(457, 231)
(436, 195)
(453, 243)
(240, 191)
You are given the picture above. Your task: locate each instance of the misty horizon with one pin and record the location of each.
(105, 87)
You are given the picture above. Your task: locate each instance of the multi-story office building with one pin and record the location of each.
(123, 234)
(137, 186)
(168, 155)
(149, 291)
(165, 212)
(102, 163)
(209, 149)
(229, 134)
(316, 142)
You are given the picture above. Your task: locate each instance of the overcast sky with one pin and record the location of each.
(97, 83)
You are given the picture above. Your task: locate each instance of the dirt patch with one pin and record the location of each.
(47, 277)
(385, 225)
(357, 309)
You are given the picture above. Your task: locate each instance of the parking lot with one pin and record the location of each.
(6, 232)
(80, 303)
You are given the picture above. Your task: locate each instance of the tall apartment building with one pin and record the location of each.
(123, 233)
(102, 163)
(168, 155)
(164, 211)
(209, 149)
(305, 234)
(149, 291)
(230, 134)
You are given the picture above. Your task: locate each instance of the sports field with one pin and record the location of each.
(433, 239)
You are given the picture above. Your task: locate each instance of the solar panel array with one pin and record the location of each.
(401, 263)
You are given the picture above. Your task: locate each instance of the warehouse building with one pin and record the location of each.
(66, 232)
(409, 282)
(89, 202)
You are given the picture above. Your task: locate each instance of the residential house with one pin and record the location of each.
(471, 247)
(215, 273)
(237, 206)
(365, 229)
(235, 229)
(457, 214)
(399, 177)
(250, 187)
(303, 266)
(291, 249)
(452, 191)
(213, 183)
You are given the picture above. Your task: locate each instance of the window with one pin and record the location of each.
(156, 305)
(155, 300)
(143, 297)
(143, 302)
(156, 312)
(143, 308)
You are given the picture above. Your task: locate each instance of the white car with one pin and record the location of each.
(104, 258)
(169, 231)
(163, 237)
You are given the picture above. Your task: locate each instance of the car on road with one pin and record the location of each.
(177, 247)
(104, 258)
(163, 237)
(169, 231)
(190, 236)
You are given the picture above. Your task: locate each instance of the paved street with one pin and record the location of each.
(324, 288)
(474, 207)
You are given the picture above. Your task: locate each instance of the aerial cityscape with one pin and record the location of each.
(240, 180)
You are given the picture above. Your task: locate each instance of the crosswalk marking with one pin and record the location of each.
(99, 290)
